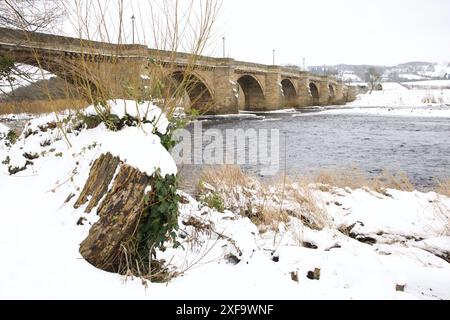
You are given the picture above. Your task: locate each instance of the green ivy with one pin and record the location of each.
(159, 222)
(6, 161)
(12, 137)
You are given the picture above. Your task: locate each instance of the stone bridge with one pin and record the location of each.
(218, 86)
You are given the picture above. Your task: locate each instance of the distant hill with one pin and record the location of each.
(409, 71)
(57, 88)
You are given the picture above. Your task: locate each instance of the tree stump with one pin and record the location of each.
(120, 212)
(100, 177)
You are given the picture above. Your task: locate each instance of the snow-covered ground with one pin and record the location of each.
(429, 84)
(24, 75)
(410, 76)
(349, 76)
(39, 236)
(397, 100)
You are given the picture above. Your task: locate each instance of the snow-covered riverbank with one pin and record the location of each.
(381, 246)
(397, 100)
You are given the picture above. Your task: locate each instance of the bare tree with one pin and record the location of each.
(170, 26)
(373, 78)
(30, 15)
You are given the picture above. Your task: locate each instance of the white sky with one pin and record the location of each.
(382, 32)
(330, 32)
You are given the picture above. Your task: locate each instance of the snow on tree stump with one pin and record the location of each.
(119, 212)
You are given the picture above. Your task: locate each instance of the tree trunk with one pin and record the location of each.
(100, 177)
(119, 212)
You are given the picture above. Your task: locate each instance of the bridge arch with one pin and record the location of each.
(253, 92)
(289, 93)
(80, 80)
(199, 93)
(314, 91)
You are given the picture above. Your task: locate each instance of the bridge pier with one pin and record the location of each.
(274, 96)
(303, 94)
(226, 90)
(324, 93)
(339, 94)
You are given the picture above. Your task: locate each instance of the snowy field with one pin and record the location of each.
(397, 100)
(401, 239)
(433, 84)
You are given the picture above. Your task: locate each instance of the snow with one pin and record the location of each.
(347, 76)
(434, 84)
(27, 75)
(39, 235)
(440, 70)
(41, 259)
(410, 76)
(290, 110)
(391, 111)
(148, 157)
(407, 214)
(140, 110)
(397, 100)
(3, 129)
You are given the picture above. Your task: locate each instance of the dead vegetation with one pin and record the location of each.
(41, 106)
(444, 187)
(269, 203)
(266, 204)
(355, 178)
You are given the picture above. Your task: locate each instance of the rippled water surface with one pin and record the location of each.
(417, 146)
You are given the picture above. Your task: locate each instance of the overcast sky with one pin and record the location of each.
(382, 32)
(330, 32)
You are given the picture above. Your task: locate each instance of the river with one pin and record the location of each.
(311, 141)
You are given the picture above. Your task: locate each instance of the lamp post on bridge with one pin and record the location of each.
(223, 45)
(133, 18)
(273, 57)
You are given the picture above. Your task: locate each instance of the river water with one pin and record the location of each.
(311, 141)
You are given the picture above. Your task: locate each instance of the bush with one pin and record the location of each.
(12, 137)
(429, 98)
(214, 200)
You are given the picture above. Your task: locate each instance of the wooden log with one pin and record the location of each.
(120, 214)
(100, 177)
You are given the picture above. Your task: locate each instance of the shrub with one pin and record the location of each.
(429, 98)
(12, 137)
(214, 200)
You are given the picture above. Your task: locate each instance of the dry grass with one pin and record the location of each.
(354, 178)
(41, 106)
(224, 177)
(313, 212)
(232, 185)
(444, 187)
(266, 204)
